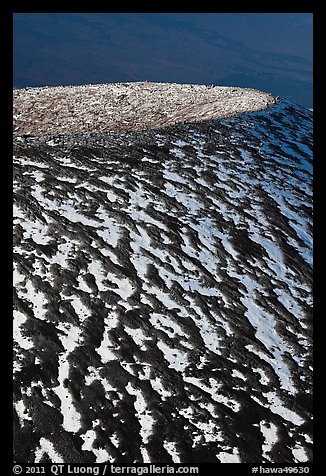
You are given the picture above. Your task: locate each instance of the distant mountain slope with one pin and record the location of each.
(269, 51)
(163, 293)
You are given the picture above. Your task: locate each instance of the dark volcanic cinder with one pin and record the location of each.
(162, 306)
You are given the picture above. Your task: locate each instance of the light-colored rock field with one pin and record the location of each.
(127, 106)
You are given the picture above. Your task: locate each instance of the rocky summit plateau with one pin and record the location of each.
(162, 275)
(127, 106)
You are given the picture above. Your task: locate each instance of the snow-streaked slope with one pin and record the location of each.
(163, 293)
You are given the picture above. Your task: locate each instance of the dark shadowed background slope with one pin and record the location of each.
(269, 51)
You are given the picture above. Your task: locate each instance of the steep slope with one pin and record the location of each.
(163, 293)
